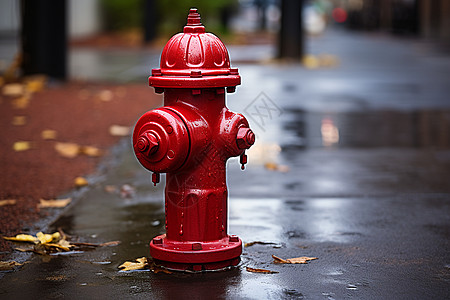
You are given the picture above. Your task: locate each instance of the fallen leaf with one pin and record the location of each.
(279, 260)
(248, 269)
(275, 167)
(8, 265)
(296, 260)
(13, 89)
(21, 102)
(80, 181)
(35, 83)
(157, 269)
(110, 189)
(21, 146)
(69, 150)
(130, 266)
(91, 151)
(22, 238)
(19, 120)
(48, 134)
(118, 130)
(8, 202)
(127, 191)
(311, 62)
(47, 238)
(259, 243)
(58, 246)
(112, 243)
(105, 95)
(54, 203)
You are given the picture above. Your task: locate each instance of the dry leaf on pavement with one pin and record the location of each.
(22, 238)
(19, 120)
(45, 238)
(48, 134)
(8, 202)
(258, 243)
(80, 182)
(69, 150)
(248, 269)
(13, 89)
(35, 83)
(118, 130)
(21, 146)
(91, 151)
(54, 203)
(130, 266)
(105, 95)
(296, 260)
(21, 102)
(8, 265)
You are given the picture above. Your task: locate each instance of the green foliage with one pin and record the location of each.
(173, 13)
(122, 14)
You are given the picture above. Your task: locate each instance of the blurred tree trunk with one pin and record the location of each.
(290, 37)
(44, 38)
(150, 20)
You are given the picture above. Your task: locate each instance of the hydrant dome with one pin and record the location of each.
(194, 59)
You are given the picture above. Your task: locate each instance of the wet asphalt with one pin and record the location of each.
(351, 166)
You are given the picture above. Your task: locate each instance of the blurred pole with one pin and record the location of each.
(150, 16)
(261, 6)
(290, 38)
(44, 38)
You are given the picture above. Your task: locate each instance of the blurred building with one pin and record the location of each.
(427, 18)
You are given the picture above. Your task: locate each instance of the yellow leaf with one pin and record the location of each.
(54, 203)
(8, 265)
(105, 95)
(248, 269)
(296, 260)
(45, 238)
(118, 130)
(81, 181)
(64, 248)
(35, 83)
(65, 243)
(69, 150)
(91, 151)
(311, 62)
(139, 265)
(21, 102)
(22, 238)
(48, 134)
(13, 89)
(19, 120)
(21, 146)
(7, 202)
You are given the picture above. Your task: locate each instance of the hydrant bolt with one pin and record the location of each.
(147, 143)
(245, 138)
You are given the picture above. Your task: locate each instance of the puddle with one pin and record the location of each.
(366, 129)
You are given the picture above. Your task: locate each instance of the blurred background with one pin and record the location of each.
(33, 31)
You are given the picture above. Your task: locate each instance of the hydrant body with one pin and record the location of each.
(190, 139)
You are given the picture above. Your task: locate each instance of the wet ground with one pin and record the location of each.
(351, 165)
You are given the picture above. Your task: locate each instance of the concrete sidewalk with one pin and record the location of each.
(351, 166)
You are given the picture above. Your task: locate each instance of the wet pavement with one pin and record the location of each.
(351, 165)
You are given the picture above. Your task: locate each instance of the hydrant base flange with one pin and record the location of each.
(196, 256)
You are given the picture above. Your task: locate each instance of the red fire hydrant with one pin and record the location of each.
(190, 139)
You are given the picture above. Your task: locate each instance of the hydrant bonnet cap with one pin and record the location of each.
(194, 50)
